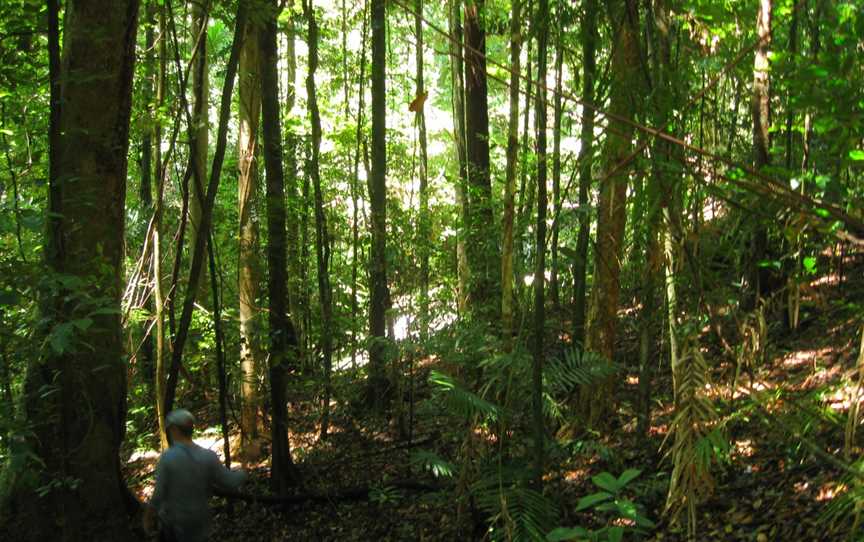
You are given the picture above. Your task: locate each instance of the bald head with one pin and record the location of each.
(182, 420)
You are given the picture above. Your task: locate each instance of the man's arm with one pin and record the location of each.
(223, 478)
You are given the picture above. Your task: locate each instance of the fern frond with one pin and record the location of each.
(693, 450)
(462, 401)
(576, 368)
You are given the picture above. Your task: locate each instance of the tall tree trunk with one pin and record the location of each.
(556, 164)
(659, 188)
(612, 208)
(322, 238)
(760, 109)
(586, 161)
(540, 248)
(77, 427)
(200, 11)
(249, 112)
(158, 295)
(482, 240)
(355, 193)
(220, 351)
(283, 340)
(457, 84)
(378, 385)
(510, 183)
(423, 226)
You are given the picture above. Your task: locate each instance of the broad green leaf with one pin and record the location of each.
(627, 476)
(616, 533)
(810, 265)
(592, 500)
(857, 155)
(606, 481)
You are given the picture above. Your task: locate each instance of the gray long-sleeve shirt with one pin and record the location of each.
(185, 479)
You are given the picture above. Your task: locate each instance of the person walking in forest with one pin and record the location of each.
(186, 477)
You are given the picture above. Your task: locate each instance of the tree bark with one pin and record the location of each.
(283, 340)
(586, 161)
(75, 397)
(612, 209)
(760, 109)
(378, 385)
(249, 111)
(158, 295)
(200, 11)
(482, 249)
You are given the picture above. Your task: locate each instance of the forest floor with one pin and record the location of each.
(775, 482)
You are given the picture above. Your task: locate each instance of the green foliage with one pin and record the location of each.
(611, 504)
(516, 511)
(430, 461)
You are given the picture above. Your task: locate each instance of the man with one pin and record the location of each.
(186, 476)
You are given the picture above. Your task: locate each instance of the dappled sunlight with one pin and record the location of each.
(805, 357)
(829, 490)
(832, 279)
(822, 376)
(743, 448)
(842, 397)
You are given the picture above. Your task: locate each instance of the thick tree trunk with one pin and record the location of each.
(378, 385)
(510, 183)
(283, 340)
(249, 108)
(586, 161)
(482, 248)
(78, 420)
(597, 400)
